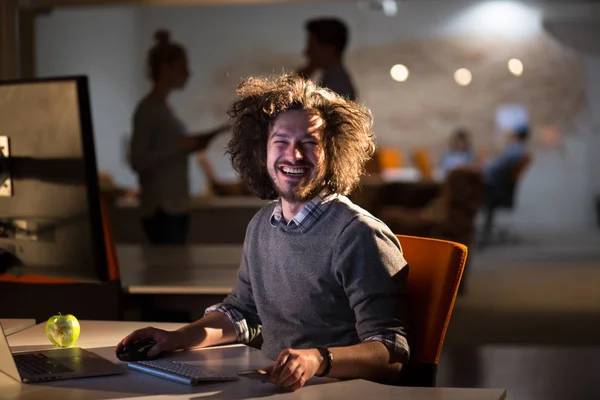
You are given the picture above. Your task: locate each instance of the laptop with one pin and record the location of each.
(50, 365)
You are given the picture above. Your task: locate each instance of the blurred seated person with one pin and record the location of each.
(326, 41)
(500, 177)
(459, 153)
(516, 150)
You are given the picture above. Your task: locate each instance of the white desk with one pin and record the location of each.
(14, 325)
(101, 337)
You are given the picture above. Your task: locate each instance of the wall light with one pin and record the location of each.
(388, 7)
(505, 17)
(399, 73)
(463, 76)
(515, 66)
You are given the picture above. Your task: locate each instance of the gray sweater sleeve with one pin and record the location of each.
(144, 151)
(371, 268)
(242, 299)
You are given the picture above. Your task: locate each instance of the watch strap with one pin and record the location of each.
(328, 357)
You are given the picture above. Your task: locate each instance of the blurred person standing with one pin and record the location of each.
(326, 42)
(160, 146)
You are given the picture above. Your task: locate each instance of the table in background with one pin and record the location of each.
(14, 325)
(100, 337)
(176, 283)
(192, 269)
(213, 220)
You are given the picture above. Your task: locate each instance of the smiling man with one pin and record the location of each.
(322, 280)
(296, 159)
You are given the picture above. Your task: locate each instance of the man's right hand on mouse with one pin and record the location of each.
(166, 341)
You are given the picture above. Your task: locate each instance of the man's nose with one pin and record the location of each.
(295, 152)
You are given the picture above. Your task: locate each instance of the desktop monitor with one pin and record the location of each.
(50, 219)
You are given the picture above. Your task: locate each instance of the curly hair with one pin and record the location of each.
(347, 131)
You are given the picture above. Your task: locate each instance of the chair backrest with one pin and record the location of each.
(521, 166)
(423, 163)
(112, 263)
(507, 186)
(463, 190)
(435, 271)
(390, 158)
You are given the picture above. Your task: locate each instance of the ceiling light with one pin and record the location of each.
(463, 77)
(399, 73)
(515, 66)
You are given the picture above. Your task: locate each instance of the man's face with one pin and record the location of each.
(295, 155)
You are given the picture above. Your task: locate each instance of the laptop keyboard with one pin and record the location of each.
(39, 364)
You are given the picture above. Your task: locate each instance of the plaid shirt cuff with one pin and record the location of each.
(236, 318)
(395, 343)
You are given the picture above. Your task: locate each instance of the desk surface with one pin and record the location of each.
(14, 325)
(101, 336)
(194, 269)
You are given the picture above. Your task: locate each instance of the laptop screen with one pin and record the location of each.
(7, 363)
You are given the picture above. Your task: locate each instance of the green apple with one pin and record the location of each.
(63, 330)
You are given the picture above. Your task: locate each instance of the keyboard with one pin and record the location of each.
(39, 364)
(180, 372)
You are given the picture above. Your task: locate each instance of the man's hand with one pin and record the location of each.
(200, 141)
(165, 340)
(293, 368)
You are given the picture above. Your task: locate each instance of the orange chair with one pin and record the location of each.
(423, 163)
(390, 158)
(435, 271)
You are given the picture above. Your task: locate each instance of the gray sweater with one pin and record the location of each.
(337, 284)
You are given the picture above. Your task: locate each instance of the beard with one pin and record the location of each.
(303, 191)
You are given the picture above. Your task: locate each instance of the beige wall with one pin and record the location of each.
(433, 38)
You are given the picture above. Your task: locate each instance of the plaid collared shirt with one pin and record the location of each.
(307, 217)
(309, 214)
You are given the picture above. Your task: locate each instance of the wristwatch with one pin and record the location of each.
(328, 357)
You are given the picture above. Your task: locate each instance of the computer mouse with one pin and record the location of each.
(136, 351)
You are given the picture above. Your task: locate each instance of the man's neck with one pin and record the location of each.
(290, 210)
